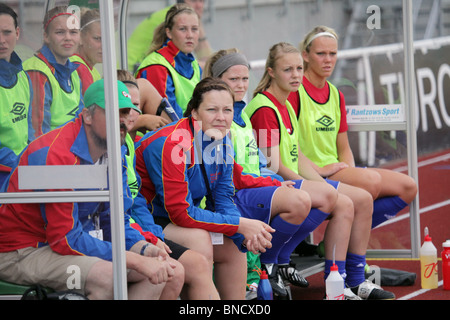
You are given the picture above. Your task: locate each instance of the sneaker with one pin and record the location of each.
(289, 273)
(251, 295)
(349, 295)
(370, 291)
(275, 280)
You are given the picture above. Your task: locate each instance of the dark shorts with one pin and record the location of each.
(177, 249)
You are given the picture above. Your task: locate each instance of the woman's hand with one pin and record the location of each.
(288, 183)
(330, 169)
(257, 234)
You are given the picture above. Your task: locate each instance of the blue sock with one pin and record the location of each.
(340, 265)
(386, 208)
(355, 265)
(312, 221)
(283, 232)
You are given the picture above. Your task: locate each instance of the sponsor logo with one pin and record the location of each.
(326, 122)
(18, 110)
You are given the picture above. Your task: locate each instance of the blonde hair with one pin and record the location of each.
(126, 77)
(88, 16)
(160, 36)
(305, 45)
(52, 14)
(275, 52)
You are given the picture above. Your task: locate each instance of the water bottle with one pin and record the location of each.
(334, 284)
(446, 264)
(428, 263)
(264, 291)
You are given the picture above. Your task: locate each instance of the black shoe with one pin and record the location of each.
(370, 291)
(289, 273)
(277, 284)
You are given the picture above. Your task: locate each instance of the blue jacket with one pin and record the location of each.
(173, 183)
(63, 226)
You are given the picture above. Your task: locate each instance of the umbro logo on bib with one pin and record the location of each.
(326, 122)
(18, 110)
(73, 112)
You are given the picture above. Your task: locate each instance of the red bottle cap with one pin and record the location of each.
(264, 275)
(334, 267)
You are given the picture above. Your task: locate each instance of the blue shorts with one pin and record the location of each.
(333, 183)
(256, 203)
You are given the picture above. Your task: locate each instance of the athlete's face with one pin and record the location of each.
(62, 38)
(9, 35)
(185, 32)
(215, 113)
(91, 44)
(322, 56)
(237, 79)
(288, 72)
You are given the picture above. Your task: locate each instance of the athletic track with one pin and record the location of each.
(434, 204)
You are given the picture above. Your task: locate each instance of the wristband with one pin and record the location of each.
(143, 248)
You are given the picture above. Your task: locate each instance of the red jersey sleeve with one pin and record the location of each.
(344, 126)
(242, 180)
(38, 80)
(85, 76)
(294, 100)
(265, 125)
(157, 75)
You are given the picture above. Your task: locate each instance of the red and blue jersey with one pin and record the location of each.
(167, 160)
(63, 226)
(173, 73)
(57, 96)
(172, 180)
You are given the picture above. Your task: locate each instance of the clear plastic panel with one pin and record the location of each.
(64, 162)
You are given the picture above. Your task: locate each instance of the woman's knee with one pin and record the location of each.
(195, 264)
(295, 205)
(203, 244)
(177, 281)
(195, 239)
(179, 273)
(372, 182)
(344, 209)
(362, 201)
(330, 198)
(409, 191)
